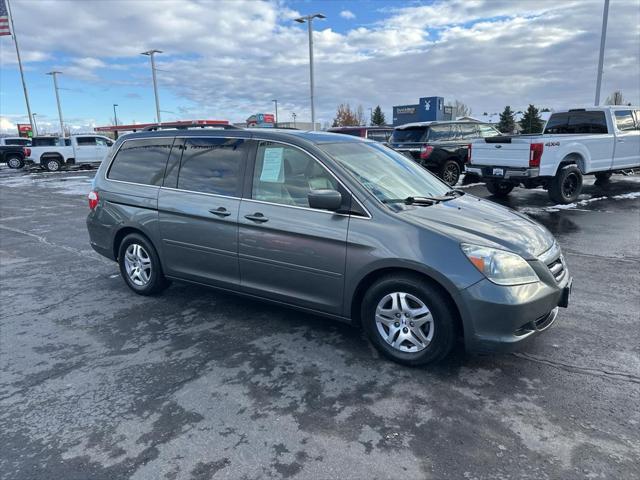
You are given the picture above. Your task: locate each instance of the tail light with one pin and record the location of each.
(468, 153)
(93, 199)
(425, 151)
(535, 154)
(27, 151)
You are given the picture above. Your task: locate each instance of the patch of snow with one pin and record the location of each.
(581, 203)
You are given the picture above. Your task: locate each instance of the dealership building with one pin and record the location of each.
(428, 109)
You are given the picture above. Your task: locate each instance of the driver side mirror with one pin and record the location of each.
(325, 199)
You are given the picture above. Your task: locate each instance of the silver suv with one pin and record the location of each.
(329, 224)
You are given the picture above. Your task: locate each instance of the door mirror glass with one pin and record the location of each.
(325, 199)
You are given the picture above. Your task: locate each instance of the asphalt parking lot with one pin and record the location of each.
(98, 383)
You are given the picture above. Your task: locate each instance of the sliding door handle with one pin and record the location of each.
(257, 217)
(220, 211)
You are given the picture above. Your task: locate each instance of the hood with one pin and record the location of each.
(474, 220)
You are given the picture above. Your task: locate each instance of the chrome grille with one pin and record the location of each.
(557, 268)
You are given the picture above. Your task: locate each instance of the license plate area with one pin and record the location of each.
(498, 172)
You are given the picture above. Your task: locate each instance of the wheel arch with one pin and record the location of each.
(47, 155)
(374, 275)
(123, 232)
(573, 158)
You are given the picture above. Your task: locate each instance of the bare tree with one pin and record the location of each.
(460, 109)
(615, 98)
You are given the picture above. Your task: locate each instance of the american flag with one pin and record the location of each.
(4, 19)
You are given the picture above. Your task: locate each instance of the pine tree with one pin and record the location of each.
(507, 123)
(378, 117)
(531, 121)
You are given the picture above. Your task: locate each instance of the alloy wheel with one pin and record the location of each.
(404, 322)
(451, 174)
(137, 263)
(570, 185)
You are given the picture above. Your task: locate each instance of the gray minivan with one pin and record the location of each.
(330, 224)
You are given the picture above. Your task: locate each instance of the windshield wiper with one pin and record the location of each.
(416, 200)
(454, 193)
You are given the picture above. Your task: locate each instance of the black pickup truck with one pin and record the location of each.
(12, 154)
(441, 147)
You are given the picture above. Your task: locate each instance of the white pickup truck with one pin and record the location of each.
(52, 153)
(595, 140)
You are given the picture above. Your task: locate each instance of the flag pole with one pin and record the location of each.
(24, 84)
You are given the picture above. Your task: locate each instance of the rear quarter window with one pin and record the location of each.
(441, 133)
(141, 161)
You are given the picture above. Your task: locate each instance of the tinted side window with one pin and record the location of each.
(379, 135)
(409, 135)
(286, 175)
(141, 161)
(488, 131)
(103, 142)
(468, 131)
(439, 133)
(17, 141)
(212, 165)
(45, 142)
(86, 141)
(624, 120)
(577, 122)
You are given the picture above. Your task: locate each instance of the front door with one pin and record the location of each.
(86, 150)
(288, 251)
(627, 145)
(198, 210)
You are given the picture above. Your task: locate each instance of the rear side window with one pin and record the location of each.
(379, 135)
(440, 133)
(212, 165)
(488, 131)
(624, 120)
(409, 135)
(141, 161)
(577, 122)
(468, 131)
(86, 141)
(45, 142)
(17, 141)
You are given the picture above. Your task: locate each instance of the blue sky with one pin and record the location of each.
(229, 59)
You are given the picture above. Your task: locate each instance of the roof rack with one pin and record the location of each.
(184, 126)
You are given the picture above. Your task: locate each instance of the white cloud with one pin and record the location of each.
(348, 14)
(229, 59)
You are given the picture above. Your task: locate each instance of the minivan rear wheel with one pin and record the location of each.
(140, 265)
(408, 320)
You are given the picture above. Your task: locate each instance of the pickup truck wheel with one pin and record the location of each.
(52, 164)
(450, 172)
(500, 189)
(566, 186)
(15, 162)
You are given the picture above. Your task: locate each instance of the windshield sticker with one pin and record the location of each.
(272, 170)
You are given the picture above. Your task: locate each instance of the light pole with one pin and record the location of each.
(293, 114)
(603, 38)
(55, 86)
(276, 102)
(35, 125)
(150, 54)
(309, 20)
(115, 115)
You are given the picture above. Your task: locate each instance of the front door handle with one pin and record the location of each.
(220, 211)
(257, 217)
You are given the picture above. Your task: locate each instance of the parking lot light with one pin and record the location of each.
(309, 20)
(150, 54)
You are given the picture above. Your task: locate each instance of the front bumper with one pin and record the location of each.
(509, 173)
(501, 318)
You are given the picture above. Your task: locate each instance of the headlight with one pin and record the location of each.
(500, 266)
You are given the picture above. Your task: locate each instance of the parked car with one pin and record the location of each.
(379, 134)
(440, 146)
(330, 224)
(576, 142)
(52, 153)
(13, 151)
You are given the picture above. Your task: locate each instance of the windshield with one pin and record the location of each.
(387, 174)
(409, 135)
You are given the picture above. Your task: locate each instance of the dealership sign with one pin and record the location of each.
(405, 110)
(25, 130)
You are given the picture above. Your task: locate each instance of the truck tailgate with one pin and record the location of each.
(515, 154)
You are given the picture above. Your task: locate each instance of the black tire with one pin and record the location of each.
(443, 320)
(500, 189)
(566, 186)
(51, 164)
(603, 176)
(450, 172)
(157, 282)
(15, 162)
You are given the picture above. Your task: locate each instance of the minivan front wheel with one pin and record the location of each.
(408, 320)
(140, 265)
